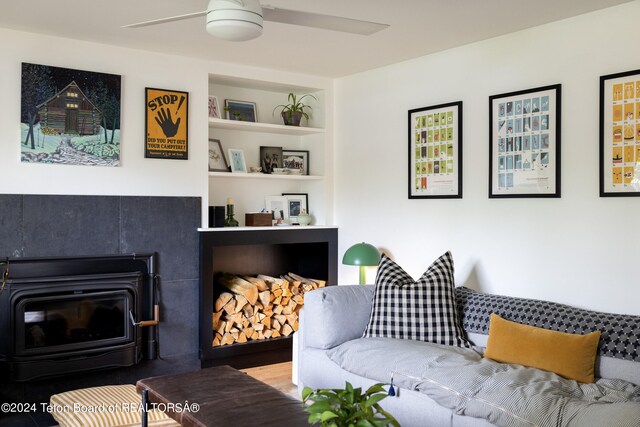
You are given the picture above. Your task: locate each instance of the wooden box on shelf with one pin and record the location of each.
(258, 219)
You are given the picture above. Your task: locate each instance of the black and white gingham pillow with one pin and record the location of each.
(424, 310)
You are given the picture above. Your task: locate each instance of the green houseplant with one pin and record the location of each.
(294, 111)
(348, 407)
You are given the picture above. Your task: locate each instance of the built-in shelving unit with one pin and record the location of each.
(249, 190)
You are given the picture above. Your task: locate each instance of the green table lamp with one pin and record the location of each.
(362, 254)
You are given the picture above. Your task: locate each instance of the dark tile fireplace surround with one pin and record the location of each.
(34, 226)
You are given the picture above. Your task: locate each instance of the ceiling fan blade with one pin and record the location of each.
(317, 20)
(163, 20)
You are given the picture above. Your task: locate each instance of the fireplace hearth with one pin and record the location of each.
(60, 316)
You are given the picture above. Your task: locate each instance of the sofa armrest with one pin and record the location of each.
(335, 314)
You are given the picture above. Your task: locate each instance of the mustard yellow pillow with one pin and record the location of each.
(571, 356)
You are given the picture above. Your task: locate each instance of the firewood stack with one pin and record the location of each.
(257, 308)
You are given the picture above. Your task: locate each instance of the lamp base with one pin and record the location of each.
(363, 275)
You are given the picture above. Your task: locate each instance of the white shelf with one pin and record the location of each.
(274, 228)
(262, 127)
(239, 175)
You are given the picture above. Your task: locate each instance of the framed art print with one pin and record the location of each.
(620, 134)
(435, 151)
(214, 107)
(296, 161)
(296, 203)
(236, 160)
(241, 110)
(524, 143)
(217, 162)
(167, 120)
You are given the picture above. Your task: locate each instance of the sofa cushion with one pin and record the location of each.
(620, 338)
(424, 310)
(336, 314)
(572, 356)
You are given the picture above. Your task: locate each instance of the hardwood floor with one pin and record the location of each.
(277, 376)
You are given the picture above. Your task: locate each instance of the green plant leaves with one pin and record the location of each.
(348, 407)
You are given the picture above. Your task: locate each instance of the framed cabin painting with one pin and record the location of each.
(166, 124)
(69, 116)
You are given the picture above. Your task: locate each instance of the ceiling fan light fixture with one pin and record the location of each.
(234, 20)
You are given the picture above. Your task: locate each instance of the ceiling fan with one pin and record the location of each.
(240, 20)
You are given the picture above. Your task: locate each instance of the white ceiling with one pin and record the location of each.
(417, 28)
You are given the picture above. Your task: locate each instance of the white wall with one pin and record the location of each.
(139, 69)
(579, 249)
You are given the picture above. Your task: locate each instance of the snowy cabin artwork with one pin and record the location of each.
(69, 116)
(70, 111)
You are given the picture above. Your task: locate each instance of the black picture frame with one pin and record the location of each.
(296, 202)
(244, 111)
(428, 158)
(619, 152)
(524, 143)
(292, 164)
(270, 158)
(217, 159)
(166, 124)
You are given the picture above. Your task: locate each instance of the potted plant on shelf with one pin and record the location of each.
(348, 407)
(294, 111)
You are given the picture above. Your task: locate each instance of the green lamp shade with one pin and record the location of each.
(362, 254)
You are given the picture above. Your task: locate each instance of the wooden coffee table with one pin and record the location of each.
(226, 397)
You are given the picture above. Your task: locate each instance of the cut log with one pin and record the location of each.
(275, 334)
(287, 330)
(281, 318)
(222, 300)
(265, 297)
(230, 307)
(278, 309)
(292, 319)
(299, 299)
(226, 339)
(241, 337)
(260, 284)
(215, 320)
(240, 286)
(241, 302)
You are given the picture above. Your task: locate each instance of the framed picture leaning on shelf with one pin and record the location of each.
(296, 160)
(435, 152)
(270, 158)
(236, 159)
(296, 203)
(524, 143)
(620, 134)
(214, 107)
(241, 110)
(217, 161)
(277, 205)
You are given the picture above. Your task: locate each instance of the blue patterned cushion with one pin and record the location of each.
(620, 333)
(422, 310)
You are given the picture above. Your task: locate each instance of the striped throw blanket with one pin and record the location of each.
(505, 395)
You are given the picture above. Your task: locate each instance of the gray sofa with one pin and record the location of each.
(337, 315)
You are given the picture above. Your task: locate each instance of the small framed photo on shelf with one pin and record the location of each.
(296, 203)
(524, 143)
(297, 161)
(277, 205)
(270, 158)
(217, 161)
(241, 110)
(214, 107)
(236, 158)
(620, 134)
